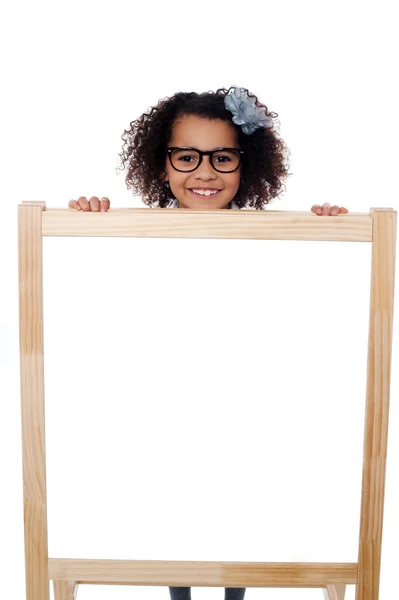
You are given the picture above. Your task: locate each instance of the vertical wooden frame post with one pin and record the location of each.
(30, 268)
(377, 402)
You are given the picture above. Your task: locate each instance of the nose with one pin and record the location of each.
(205, 170)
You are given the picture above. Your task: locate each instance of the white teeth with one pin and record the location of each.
(206, 192)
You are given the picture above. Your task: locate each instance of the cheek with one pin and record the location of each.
(174, 177)
(177, 183)
(178, 179)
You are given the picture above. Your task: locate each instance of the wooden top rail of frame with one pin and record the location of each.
(190, 223)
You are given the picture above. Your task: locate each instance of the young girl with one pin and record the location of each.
(213, 150)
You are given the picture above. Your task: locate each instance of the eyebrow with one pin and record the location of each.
(210, 150)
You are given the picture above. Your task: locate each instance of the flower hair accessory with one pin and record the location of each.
(245, 111)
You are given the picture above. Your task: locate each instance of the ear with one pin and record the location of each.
(164, 176)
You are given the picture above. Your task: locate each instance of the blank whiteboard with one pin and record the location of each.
(239, 465)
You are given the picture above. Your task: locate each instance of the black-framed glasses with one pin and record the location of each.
(186, 159)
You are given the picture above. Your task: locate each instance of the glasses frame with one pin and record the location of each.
(201, 154)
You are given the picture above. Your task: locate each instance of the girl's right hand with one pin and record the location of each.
(94, 204)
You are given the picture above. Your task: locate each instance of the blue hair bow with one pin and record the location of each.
(245, 111)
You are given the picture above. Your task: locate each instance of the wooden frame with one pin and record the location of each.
(377, 227)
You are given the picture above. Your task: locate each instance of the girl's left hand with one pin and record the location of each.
(327, 209)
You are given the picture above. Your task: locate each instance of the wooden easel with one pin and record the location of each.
(377, 227)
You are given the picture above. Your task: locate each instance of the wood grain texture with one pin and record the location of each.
(334, 592)
(32, 398)
(65, 590)
(202, 573)
(377, 402)
(180, 223)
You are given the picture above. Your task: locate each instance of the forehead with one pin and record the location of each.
(203, 133)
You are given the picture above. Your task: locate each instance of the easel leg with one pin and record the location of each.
(334, 592)
(30, 267)
(65, 590)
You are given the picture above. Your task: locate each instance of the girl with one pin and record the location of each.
(204, 151)
(211, 151)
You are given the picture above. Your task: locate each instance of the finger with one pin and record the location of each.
(104, 204)
(316, 208)
(74, 204)
(84, 203)
(334, 210)
(326, 209)
(343, 209)
(94, 204)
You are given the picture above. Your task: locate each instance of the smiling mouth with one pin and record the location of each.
(205, 193)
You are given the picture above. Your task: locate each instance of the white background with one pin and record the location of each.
(204, 398)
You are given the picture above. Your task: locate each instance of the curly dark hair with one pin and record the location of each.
(264, 164)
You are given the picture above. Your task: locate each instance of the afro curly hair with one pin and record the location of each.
(265, 159)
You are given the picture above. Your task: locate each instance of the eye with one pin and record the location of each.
(184, 156)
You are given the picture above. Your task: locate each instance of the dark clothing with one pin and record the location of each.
(184, 593)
